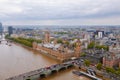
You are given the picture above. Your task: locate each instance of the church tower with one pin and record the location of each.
(47, 37)
(78, 48)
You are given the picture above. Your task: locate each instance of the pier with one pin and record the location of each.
(80, 73)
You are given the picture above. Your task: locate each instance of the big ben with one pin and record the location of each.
(78, 48)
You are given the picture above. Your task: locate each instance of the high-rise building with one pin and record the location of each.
(47, 37)
(100, 34)
(78, 48)
(10, 30)
(1, 29)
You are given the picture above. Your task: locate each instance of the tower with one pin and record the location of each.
(1, 29)
(10, 30)
(34, 45)
(100, 34)
(47, 37)
(78, 48)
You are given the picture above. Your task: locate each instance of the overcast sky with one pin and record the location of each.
(60, 12)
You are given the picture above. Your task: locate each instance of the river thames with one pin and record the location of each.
(15, 60)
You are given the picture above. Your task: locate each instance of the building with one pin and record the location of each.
(119, 64)
(100, 34)
(111, 60)
(78, 48)
(114, 48)
(10, 30)
(47, 37)
(59, 51)
(94, 55)
(1, 29)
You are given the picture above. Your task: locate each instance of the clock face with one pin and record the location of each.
(78, 43)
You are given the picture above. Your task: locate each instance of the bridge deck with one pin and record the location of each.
(46, 71)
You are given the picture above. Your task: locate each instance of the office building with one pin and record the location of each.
(10, 30)
(1, 29)
(100, 34)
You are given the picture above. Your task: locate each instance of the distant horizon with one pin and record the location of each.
(61, 25)
(60, 12)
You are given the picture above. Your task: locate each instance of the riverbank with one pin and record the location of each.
(37, 51)
(15, 60)
(36, 62)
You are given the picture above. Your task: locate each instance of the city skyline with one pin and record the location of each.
(60, 12)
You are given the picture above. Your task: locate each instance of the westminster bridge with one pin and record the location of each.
(42, 72)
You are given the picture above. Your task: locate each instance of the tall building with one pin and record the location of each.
(99, 34)
(10, 30)
(78, 48)
(1, 29)
(47, 37)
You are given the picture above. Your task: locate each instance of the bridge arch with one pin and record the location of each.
(69, 66)
(28, 79)
(62, 68)
(54, 71)
(42, 75)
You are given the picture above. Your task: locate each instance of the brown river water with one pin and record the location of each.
(15, 60)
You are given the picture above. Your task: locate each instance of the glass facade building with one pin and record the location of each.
(1, 29)
(10, 30)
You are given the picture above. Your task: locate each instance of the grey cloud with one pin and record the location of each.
(58, 9)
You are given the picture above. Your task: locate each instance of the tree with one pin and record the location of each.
(59, 41)
(102, 46)
(113, 71)
(99, 66)
(87, 62)
(117, 72)
(83, 54)
(67, 43)
(62, 33)
(25, 41)
(110, 70)
(91, 45)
